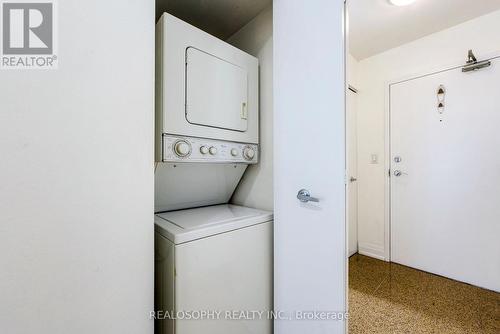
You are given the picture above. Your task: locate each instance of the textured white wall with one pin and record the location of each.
(437, 51)
(256, 188)
(76, 189)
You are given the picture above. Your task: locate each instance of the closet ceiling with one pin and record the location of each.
(376, 26)
(221, 18)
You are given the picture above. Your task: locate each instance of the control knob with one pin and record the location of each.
(204, 149)
(248, 153)
(182, 148)
(213, 150)
(234, 152)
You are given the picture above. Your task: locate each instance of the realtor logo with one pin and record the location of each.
(28, 34)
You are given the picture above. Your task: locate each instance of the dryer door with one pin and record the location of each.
(216, 92)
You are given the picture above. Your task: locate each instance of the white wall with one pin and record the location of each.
(76, 189)
(352, 71)
(256, 188)
(436, 51)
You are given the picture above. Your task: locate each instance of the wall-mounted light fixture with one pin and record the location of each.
(401, 2)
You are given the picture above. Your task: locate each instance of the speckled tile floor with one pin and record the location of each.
(389, 298)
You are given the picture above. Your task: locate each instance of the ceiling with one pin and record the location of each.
(376, 25)
(221, 18)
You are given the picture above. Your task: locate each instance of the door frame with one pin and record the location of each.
(388, 152)
(349, 128)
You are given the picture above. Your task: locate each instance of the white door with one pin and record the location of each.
(445, 202)
(309, 153)
(352, 171)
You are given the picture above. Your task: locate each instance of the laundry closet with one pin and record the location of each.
(213, 237)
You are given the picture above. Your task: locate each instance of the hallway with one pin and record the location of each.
(390, 298)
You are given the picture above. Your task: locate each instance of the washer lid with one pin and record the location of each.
(187, 225)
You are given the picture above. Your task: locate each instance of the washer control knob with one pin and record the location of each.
(234, 152)
(203, 149)
(213, 150)
(248, 153)
(182, 148)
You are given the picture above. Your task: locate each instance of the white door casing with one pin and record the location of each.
(352, 172)
(444, 207)
(309, 152)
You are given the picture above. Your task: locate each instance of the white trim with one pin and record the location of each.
(346, 215)
(387, 181)
(372, 251)
(442, 68)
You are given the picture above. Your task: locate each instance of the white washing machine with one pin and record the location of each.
(219, 259)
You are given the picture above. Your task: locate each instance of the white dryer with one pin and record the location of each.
(205, 87)
(216, 258)
(207, 116)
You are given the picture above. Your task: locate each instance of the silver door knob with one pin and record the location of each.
(305, 196)
(399, 173)
(353, 179)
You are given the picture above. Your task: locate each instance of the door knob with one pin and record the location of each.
(399, 173)
(305, 196)
(353, 179)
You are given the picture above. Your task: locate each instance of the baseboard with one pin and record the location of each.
(372, 251)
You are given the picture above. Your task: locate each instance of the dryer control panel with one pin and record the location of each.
(190, 149)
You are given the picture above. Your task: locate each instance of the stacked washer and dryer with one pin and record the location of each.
(213, 260)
